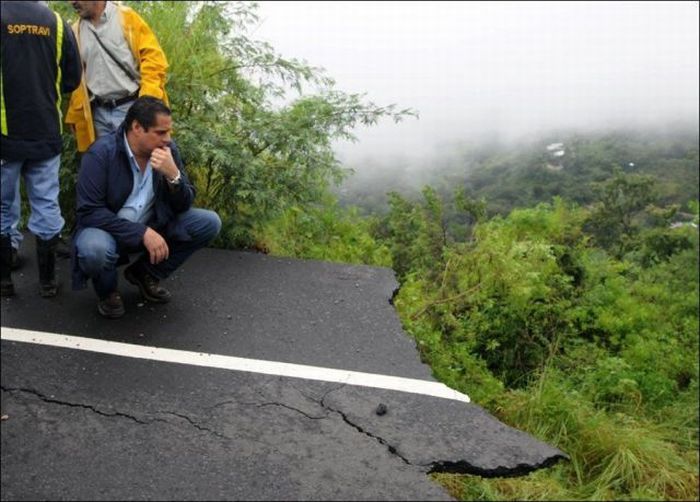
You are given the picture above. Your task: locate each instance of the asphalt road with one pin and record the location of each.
(91, 425)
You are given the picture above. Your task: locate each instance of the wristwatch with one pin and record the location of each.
(176, 179)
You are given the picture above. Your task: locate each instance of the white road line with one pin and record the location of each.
(400, 384)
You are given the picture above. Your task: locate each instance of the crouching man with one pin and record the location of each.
(133, 196)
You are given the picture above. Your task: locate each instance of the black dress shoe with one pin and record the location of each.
(148, 285)
(111, 307)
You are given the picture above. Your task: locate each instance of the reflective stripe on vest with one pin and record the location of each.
(59, 50)
(3, 111)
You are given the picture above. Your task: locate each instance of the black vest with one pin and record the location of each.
(40, 61)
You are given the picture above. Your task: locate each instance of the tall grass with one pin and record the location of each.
(614, 456)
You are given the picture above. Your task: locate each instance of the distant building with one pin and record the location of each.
(555, 155)
(681, 224)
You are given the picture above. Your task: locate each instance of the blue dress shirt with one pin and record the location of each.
(139, 205)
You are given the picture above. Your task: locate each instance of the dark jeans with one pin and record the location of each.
(97, 254)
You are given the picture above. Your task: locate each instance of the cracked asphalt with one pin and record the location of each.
(83, 425)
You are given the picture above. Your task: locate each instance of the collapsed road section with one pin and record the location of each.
(82, 421)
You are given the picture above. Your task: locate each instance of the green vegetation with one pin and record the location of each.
(558, 337)
(563, 301)
(576, 324)
(253, 143)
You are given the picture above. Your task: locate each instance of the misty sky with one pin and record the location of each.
(513, 68)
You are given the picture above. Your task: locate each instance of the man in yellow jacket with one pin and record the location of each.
(122, 60)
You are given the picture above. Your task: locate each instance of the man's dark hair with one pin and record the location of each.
(144, 111)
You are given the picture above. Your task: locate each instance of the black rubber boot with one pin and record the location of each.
(16, 259)
(46, 257)
(63, 247)
(6, 286)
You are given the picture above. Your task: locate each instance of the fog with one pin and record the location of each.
(496, 69)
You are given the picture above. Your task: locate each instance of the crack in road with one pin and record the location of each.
(440, 466)
(260, 405)
(48, 399)
(94, 409)
(456, 467)
(196, 425)
(464, 467)
(321, 402)
(392, 449)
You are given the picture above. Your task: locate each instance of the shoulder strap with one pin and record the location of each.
(119, 63)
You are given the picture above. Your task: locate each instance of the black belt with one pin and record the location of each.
(113, 103)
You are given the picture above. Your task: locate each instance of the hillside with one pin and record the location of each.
(526, 173)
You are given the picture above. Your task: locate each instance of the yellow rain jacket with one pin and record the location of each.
(151, 62)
